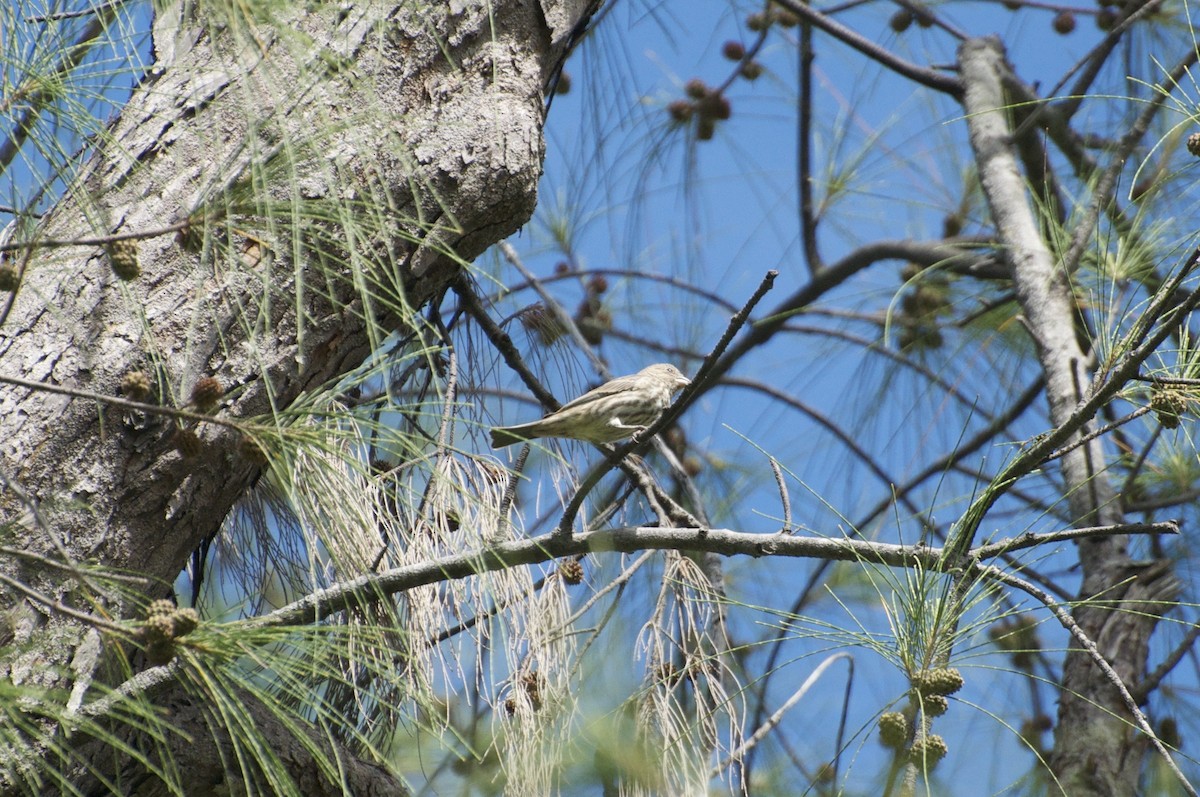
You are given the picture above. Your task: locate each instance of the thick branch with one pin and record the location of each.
(924, 253)
(365, 590)
(726, 542)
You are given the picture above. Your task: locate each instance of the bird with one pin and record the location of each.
(619, 408)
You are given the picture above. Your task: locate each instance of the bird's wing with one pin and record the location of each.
(618, 385)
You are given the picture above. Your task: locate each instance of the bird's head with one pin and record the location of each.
(669, 375)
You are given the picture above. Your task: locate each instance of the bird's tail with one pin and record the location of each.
(507, 436)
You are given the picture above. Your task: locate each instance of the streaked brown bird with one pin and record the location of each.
(617, 409)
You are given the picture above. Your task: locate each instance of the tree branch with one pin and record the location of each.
(1114, 679)
(367, 589)
(929, 78)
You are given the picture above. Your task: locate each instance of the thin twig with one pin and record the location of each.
(761, 732)
(61, 608)
(98, 240)
(502, 341)
(1031, 540)
(1147, 685)
(804, 128)
(1095, 433)
(115, 401)
(514, 477)
(1168, 380)
(83, 12)
(1068, 622)
(70, 566)
(13, 211)
(921, 75)
(624, 273)
(783, 493)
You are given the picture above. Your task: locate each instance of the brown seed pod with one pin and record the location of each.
(751, 70)
(184, 621)
(680, 110)
(901, 21)
(784, 16)
(542, 322)
(893, 729)
(158, 627)
(136, 385)
(252, 452)
(187, 443)
(571, 571)
(534, 683)
(714, 106)
(935, 705)
(123, 257)
(928, 750)
(206, 393)
(9, 279)
(593, 320)
(952, 225)
(1168, 404)
(758, 21)
(1193, 144)
(938, 681)
(162, 607)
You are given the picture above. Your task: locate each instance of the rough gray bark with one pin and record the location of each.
(222, 126)
(1095, 751)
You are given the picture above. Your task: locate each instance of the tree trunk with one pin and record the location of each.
(1097, 751)
(424, 118)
